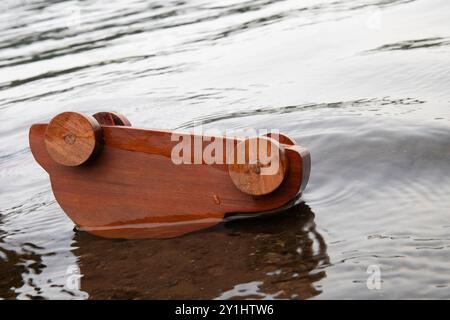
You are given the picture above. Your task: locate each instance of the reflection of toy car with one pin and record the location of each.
(116, 181)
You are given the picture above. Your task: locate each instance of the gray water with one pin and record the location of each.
(363, 84)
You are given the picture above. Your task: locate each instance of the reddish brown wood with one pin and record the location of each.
(72, 138)
(281, 138)
(306, 164)
(132, 189)
(264, 174)
(111, 119)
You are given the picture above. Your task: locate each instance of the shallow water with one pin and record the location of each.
(363, 84)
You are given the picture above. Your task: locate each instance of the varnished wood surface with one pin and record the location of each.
(72, 138)
(134, 190)
(252, 177)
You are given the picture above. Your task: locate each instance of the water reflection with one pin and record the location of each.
(278, 256)
(18, 267)
(10, 269)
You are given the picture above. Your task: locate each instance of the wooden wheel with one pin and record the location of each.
(72, 138)
(281, 138)
(257, 165)
(112, 119)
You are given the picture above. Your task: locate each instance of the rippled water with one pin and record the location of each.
(363, 84)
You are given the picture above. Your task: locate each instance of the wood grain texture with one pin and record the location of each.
(134, 190)
(262, 168)
(72, 138)
(111, 119)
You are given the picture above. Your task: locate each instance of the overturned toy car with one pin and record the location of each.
(117, 181)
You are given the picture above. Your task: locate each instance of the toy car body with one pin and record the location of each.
(117, 181)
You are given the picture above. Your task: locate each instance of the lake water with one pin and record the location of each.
(364, 84)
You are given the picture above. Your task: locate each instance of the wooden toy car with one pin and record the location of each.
(117, 181)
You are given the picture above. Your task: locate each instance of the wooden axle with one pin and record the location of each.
(117, 181)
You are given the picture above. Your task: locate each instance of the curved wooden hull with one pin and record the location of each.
(134, 190)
